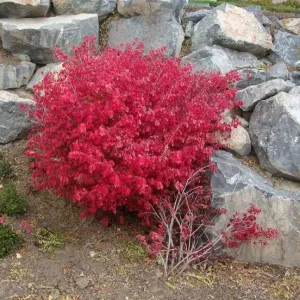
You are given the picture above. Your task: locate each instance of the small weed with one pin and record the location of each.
(9, 241)
(135, 252)
(49, 240)
(11, 203)
(6, 170)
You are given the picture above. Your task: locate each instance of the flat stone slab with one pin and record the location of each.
(72, 7)
(37, 37)
(251, 95)
(23, 8)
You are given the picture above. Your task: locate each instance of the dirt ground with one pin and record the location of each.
(105, 263)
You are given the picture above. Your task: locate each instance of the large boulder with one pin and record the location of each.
(195, 16)
(130, 8)
(23, 8)
(234, 28)
(251, 95)
(292, 24)
(286, 48)
(155, 31)
(15, 75)
(219, 59)
(41, 73)
(278, 71)
(251, 77)
(38, 37)
(235, 187)
(274, 131)
(14, 121)
(239, 141)
(71, 7)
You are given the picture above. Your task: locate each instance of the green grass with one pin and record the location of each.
(9, 241)
(11, 203)
(289, 6)
(49, 240)
(135, 252)
(6, 170)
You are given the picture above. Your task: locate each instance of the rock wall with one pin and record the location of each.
(264, 51)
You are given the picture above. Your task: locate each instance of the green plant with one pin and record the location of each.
(9, 240)
(49, 240)
(135, 252)
(5, 168)
(11, 203)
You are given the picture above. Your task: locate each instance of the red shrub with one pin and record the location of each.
(121, 129)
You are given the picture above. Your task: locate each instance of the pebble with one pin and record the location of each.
(82, 282)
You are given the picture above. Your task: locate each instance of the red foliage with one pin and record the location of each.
(121, 129)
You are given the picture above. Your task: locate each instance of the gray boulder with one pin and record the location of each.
(219, 59)
(130, 8)
(234, 28)
(251, 95)
(258, 13)
(38, 37)
(195, 16)
(286, 48)
(72, 7)
(189, 29)
(251, 77)
(295, 90)
(274, 131)
(24, 8)
(155, 31)
(239, 141)
(14, 121)
(295, 77)
(235, 187)
(15, 75)
(278, 71)
(41, 73)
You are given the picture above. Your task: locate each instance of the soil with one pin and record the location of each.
(100, 262)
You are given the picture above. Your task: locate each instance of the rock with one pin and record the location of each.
(14, 122)
(71, 7)
(130, 8)
(292, 24)
(234, 28)
(239, 141)
(82, 282)
(21, 57)
(189, 29)
(235, 187)
(258, 13)
(219, 59)
(38, 37)
(155, 31)
(41, 73)
(295, 77)
(286, 48)
(278, 71)
(253, 94)
(274, 131)
(195, 16)
(23, 8)
(251, 77)
(15, 75)
(55, 294)
(295, 90)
